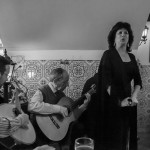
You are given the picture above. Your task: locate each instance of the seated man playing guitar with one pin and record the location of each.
(45, 102)
(7, 125)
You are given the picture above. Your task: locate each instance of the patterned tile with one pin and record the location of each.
(35, 73)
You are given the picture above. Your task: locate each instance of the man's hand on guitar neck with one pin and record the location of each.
(86, 102)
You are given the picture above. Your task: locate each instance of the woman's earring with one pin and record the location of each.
(128, 45)
(114, 44)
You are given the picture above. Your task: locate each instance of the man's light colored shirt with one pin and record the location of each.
(7, 127)
(36, 104)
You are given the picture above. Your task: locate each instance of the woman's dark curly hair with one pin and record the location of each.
(112, 34)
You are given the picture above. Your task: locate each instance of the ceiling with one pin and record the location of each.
(67, 24)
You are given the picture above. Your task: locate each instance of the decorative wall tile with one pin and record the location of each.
(80, 71)
(33, 71)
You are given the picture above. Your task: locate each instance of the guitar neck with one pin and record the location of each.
(82, 98)
(78, 102)
(17, 103)
(18, 106)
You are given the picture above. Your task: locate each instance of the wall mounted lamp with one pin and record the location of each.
(144, 35)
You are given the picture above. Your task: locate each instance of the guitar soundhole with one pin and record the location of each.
(59, 117)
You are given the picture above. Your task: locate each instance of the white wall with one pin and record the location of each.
(59, 54)
(67, 24)
(142, 53)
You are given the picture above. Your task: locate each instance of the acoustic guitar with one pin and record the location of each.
(55, 126)
(25, 135)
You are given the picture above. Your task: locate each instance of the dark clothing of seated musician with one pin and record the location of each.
(1, 100)
(86, 123)
(87, 118)
(45, 101)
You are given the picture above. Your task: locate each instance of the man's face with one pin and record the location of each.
(63, 83)
(4, 76)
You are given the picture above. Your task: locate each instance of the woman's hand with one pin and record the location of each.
(134, 101)
(125, 102)
(129, 102)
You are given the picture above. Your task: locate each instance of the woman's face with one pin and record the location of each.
(122, 37)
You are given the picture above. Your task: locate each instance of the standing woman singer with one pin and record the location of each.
(117, 100)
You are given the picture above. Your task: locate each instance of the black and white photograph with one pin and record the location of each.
(74, 74)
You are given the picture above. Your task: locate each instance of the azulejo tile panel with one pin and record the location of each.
(35, 73)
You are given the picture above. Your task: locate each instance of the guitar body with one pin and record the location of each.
(54, 126)
(58, 130)
(22, 135)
